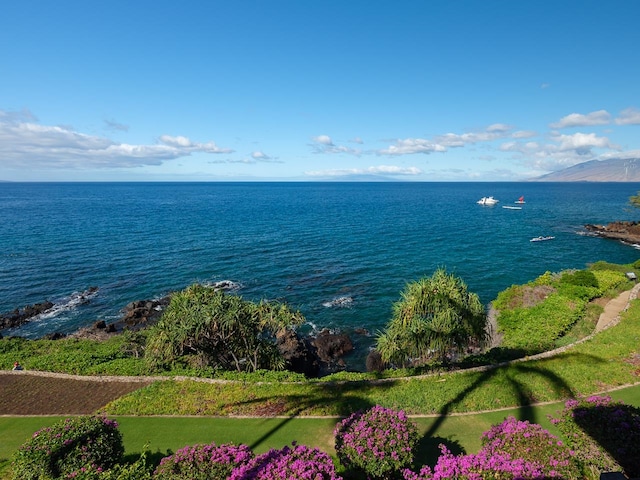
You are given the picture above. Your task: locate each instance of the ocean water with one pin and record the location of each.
(304, 243)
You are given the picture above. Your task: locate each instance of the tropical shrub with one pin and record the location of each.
(582, 278)
(220, 331)
(609, 279)
(67, 447)
(604, 434)
(297, 461)
(436, 316)
(378, 441)
(512, 450)
(203, 462)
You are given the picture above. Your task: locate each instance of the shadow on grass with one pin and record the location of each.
(616, 429)
(347, 395)
(525, 396)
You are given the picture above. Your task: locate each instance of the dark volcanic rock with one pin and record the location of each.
(314, 356)
(628, 232)
(298, 353)
(22, 316)
(331, 347)
(143, 313)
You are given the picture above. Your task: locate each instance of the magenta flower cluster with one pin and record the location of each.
(513, 450)
(378, 441)
(296, 462)
(604, 434)
(203, 462)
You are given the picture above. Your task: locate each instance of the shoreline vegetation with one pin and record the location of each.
(523, 374)
(595, 352)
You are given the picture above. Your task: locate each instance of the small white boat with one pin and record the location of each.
(487, 201)
(511, 208)
(520, 200)
(541, 239)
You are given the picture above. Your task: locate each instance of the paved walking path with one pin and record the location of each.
(615, 307)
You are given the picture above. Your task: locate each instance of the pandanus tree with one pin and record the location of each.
(435, 317)
(221, 330)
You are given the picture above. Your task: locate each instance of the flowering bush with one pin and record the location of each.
(480, 466)
(67, 447)
(139, 470)
(203, 462)
(296, 462)
(532, 443)
(512, 450)
(378, 441)
(605, 434)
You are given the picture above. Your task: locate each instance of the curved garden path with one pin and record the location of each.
(45, 393)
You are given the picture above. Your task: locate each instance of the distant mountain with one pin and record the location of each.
(609, 170)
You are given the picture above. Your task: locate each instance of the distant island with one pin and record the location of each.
(609, 170)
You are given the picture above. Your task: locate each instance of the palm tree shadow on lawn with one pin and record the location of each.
(345, 395)
(525, 396)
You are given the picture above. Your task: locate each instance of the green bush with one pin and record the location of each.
(582, 278)
(67, 447)
(139, 470)
(535, 329)
(609, 280)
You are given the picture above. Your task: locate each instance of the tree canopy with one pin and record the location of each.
(435, 317)
(220, 330)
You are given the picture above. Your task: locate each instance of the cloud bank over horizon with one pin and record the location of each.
(25, 143)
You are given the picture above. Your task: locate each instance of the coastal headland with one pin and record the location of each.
(627, 232)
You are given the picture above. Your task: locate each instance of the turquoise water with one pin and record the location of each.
(304, 243)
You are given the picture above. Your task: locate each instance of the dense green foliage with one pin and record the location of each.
(535, 329)
(436, 316)
(213, 329)
(534, 317)
(69, 447)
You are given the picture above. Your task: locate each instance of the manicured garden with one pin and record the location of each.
(560, 305)
(599, 434)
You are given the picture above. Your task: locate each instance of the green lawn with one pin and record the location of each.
(160, 435)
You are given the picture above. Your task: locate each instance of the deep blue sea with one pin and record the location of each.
(304, 243)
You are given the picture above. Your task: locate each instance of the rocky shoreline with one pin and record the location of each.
(313, 356)
(627, 232)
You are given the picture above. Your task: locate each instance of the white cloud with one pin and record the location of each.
(601, 117)
(26, 143)
(489, 134)
(583, 142)
(523, 134)
(629, 116)
(323, 140)
(409, 146)
(388, 170)
(563, 151)
(324, 144)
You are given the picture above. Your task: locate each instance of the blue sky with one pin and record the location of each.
(314, 90)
